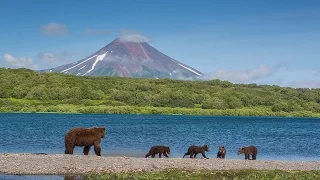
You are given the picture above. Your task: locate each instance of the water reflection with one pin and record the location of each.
(74, 178)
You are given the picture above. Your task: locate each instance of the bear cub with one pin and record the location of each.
(158, 150)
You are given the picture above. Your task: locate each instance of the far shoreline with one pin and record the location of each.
(315, 116)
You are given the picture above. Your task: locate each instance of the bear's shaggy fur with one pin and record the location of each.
(86, 137)
(250, 150)
(194, 150)
(158, 150)
(221, 152)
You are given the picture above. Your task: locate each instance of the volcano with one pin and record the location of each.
(129, 59)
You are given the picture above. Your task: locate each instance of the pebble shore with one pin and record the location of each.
(58, 164)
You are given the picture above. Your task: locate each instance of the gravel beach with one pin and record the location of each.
(79, 164)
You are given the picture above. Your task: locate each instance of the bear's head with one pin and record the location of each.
(241, 150)
(222, 149)
(206, 148)
(167, 149)
(101, 131)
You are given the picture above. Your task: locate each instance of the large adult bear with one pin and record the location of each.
(86, 137)
(250, 150)
(158, 150)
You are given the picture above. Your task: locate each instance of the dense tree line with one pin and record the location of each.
(55, 88)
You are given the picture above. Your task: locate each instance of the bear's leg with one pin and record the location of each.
(254, 156)
(246, 156)
(69, 149)
(251, 156)
(191, 155)
(97, 149)
(204, 155)
(160, 155)
(195, 155)
(186, 154)
(153, 155)
(165, 154)
(86, 150)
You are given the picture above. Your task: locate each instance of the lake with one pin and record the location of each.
(132, 135)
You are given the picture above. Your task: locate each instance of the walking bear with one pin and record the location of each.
(158, 150)
(194, 150)
(221, 152)
(86, 137)
(250, 150)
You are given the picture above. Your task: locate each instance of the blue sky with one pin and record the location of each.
(264, 42)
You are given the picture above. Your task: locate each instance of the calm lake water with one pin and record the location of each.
(133, 135)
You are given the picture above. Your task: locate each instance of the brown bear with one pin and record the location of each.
(221, 152)
(86, 137)
(158, 150)
(194, 150)
(250, 150)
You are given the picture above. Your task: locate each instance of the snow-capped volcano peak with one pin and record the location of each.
(129, 59)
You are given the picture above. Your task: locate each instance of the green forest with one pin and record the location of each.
(24, 90)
